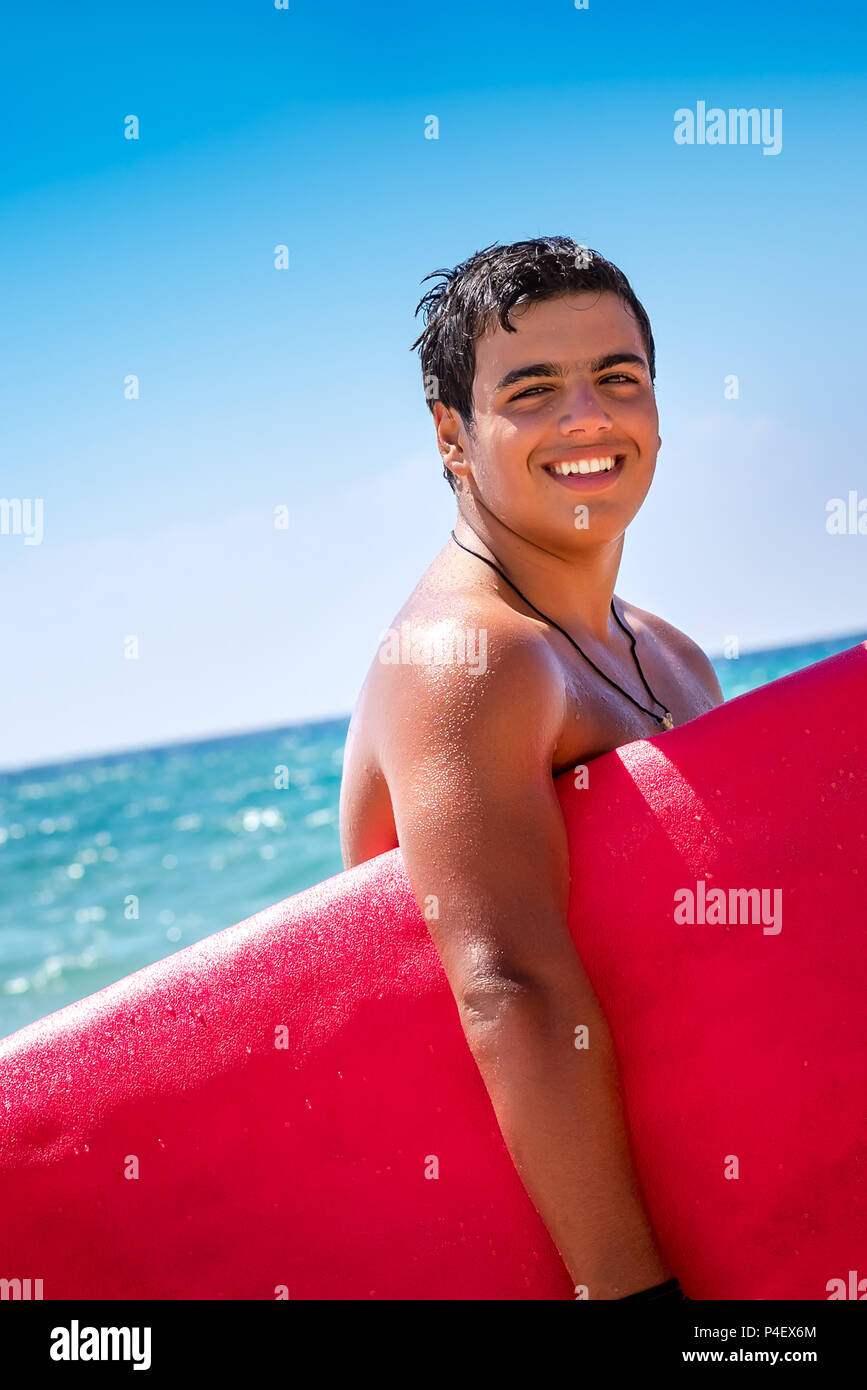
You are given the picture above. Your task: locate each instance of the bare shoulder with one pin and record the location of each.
(678, 647)
(461, 708)
(462, 671)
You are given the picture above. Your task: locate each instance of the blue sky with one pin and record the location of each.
(262, 387)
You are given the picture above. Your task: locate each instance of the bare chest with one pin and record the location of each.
(600, 716)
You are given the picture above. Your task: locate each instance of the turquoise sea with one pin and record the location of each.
(112, 862)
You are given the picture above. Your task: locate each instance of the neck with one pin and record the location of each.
(574, 589)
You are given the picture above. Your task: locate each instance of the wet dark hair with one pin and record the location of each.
(458, 310)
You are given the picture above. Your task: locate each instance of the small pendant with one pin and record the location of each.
(666, 721)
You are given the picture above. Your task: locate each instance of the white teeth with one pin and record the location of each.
(603, 465)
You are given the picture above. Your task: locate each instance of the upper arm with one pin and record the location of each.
(468, 764)
(701, 667)
(690, 654)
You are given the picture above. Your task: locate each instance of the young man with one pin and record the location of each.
(539, 366)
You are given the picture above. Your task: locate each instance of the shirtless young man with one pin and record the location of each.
(454, 762)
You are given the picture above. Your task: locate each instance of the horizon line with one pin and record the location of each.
(185, 741)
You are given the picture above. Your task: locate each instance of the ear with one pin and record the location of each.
(449, 431)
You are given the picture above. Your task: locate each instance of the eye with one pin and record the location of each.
(619, 376)
(529, 391)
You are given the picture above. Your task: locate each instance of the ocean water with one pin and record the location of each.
(110, 863)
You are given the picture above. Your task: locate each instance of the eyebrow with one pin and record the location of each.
(598, 364)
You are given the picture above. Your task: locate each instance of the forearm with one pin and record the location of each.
(560, 1112)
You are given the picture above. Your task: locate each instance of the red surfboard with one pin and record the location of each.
(289, 1107)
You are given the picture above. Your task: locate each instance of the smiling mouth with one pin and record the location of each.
(586, 472)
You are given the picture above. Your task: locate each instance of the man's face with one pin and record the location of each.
(572, 385)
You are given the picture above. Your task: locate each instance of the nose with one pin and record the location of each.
(583, 411)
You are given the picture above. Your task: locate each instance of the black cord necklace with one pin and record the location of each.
(664, 720)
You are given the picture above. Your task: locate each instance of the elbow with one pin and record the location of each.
(486, 1000)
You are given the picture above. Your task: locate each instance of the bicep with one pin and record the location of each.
(481, 830)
